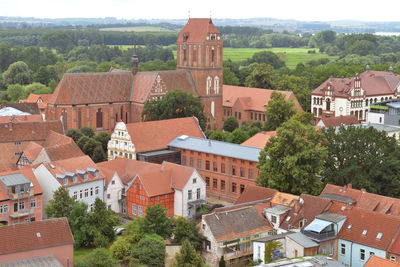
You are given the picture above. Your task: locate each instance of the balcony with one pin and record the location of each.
(21, 213)
(21, 195)
(237, 254)
(319, 236)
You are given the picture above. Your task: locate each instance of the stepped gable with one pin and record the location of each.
(90, 88)
(197, 30)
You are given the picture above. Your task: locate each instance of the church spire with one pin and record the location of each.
(135, 61)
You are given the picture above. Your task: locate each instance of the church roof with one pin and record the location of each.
(198, 29)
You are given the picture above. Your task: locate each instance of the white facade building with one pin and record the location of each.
(120, 143)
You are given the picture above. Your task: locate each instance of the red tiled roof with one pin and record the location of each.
(27, 172)
(254, 193)
(259, 140)
(21, 118)
(155, 135)
(306, 208)
(371, 221)
(346, 191)
(64, 151)
(374, 83)
(284, 199)
(179, 173)
(28, 131)
(35, 235)
(87, 88)
(375, 261)
(254, 98)
(340, 120)
(32, 150)
(197, 30)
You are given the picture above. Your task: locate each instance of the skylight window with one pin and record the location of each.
(349, 227)
(343, 208)
(364, 233)
(379, 236)
(288, 218)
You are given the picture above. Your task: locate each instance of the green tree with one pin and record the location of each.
(78, 220)
(103, 138)
(36, 88)
(156, 221)
(238, 136)
(90, 146)
(75, 134)
(175, 104)
(187, 256)
(98, 154)
(230, 77)
(218, 135)
(99, 257)
(299, 86)
(270, 247)
(89, 132)
(221, 262)
(82, 141)
(188, 229)
(267, 57)
(230, 124)
(103, 220)
(150, 250)
(17, 73)
(45, 74)
(292, 161)
(263, 76)
(16, 92)
(60, 205)
(278, 111)
(364, 157)
(121, 249)
(303, 117)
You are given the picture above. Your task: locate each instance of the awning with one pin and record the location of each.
(317, 225)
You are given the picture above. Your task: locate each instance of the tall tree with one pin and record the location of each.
(365, 157)
(263, 76)
(156, 221)
(187, 256)
(299, 86)
(188, 229)
(103, 219)
(278, 111)
(78, 220)
(230, 124)
(17, 73)
(175, 104)
(60, 205)
(150, 250)
(292, 161)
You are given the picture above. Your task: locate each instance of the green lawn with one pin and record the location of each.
(137, 29)
(81, 252)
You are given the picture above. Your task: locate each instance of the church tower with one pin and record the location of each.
(199, 51)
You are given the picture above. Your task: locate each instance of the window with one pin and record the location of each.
(194, 180)
(233, 187)
(17, 143)
(75, 195)
(207, 165)
(259, 116)
(22, 205)
(242, 172)
(108, 196)
(222, 185)
(80, 194)
(263, 117)
(96, 190)
(362, 254)
(99, 118)
(198, 193)
(343, 249)
(91, 207)
(3, 208)
(166, 196)
(233, 170)
(371, 253)
(273, 219)
(109, 207)
(32, 203)
(215, 166)
(393, 258)
(208, 181)
(199, 164)
(183, 160)
(242, 187)
(140, 211)
(251, 173)
(190, 194)
(251, 115)
(142, 198)
(134, 209)
(364, 233)
(240, 115)
(215, 183)
(112, 182)
(379, 236)
(301, 225)
(15, 206)
(223, 167)
(191, 162)
(91, 191)
(86, 192)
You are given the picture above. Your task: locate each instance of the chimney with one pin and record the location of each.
(135, 62)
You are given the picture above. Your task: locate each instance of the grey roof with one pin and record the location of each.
(393, 104)
(339, 198)
(381, 127)
(331, 217)
(14, 179)
(278, 209)
(302, 240)
(273, 237)
(40, 261)
(216, 147)
(158, 152)
(235, 222)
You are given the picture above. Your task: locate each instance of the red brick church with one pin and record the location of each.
(100, 100)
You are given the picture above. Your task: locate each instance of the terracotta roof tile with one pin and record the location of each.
(31, 108)
(255, 98)
(22, 118)
(155, 135)
(284, 199)
(259, 139)
(28, 131)
(375, 261)
(32, 150)
(197, 29)
(339, 120)
(346, 191)
(35, 235)
(254, 193)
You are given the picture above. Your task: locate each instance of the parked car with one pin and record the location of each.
(120, 230)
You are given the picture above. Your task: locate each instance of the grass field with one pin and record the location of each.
(137, 29)
(81, 252)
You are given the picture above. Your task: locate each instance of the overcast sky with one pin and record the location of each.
(321, 10)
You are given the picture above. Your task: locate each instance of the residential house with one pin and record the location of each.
(227, 168)
(230, 233)
(381, 262)
(256, 193)
(80, 175)
(56, 147)
(16, 135)
(355, 95)
(41, 101)
(20, 197)
(337, 121)
(259, 139)
(37, 239)
(259, 247)
(133, 185)
(147, 141)
(298, 245)
(248, 104)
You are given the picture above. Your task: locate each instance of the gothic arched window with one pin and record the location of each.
(216, 85)
(64, 118)
(99, 118)
(208, 87)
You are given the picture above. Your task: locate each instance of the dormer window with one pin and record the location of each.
(364, 233)
(379, 236)
(349, 227)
